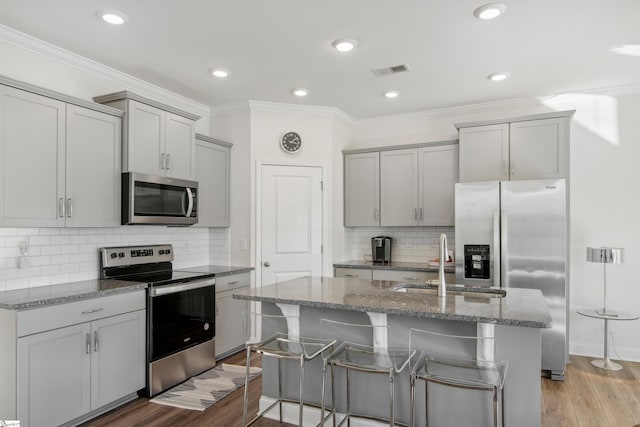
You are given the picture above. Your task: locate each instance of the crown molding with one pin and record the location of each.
(279, 107)
(231, 108)
(118, 78)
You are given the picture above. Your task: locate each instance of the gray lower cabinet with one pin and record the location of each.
(230, 312)
(69, 369)
(212, 174)
(411, 276)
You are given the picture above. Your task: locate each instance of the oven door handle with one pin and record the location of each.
(172, 289)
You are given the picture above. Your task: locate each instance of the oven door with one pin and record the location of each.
(181, 315)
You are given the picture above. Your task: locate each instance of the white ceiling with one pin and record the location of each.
(272, 46)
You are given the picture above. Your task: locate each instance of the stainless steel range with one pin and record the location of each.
(180, 312)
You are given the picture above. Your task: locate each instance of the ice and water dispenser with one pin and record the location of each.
(477, 261)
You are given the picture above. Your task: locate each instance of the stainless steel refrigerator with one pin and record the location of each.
(513, 234)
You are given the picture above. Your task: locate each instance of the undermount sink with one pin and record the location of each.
(430, 289)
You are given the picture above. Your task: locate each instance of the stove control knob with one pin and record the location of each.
(168, 251)
(121, 255)
(114, 255)
(206, 326)
(161, 251)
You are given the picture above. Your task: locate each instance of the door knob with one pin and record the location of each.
(267, 264)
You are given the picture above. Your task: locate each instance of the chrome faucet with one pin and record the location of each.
(442, 286)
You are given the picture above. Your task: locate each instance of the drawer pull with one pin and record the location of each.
(88, 340)
(95, 341)
(410, 278)
(234, 282)
(350, 275)
(93, 310)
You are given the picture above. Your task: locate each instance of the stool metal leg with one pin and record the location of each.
(246, 389)
(391, 401)
(412, 397)
(495, 407)
(333, 395)
(301, 406)
(348, 401)
(280, 389)
(502, 405)
(426, 403)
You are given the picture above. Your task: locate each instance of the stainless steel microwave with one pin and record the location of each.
(150, 199)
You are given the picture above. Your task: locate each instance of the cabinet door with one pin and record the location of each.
(145, 139)
(399, 187)
(362, 189)
(54, 376)
(32, 138)
(229, 323)
(212, 173)
(118, 357)
(484, 153)
(180, 136)
(438, 168)
(538, 149)
(93, 168)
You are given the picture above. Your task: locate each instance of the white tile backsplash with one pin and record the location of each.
(60, 255)
(408, 244)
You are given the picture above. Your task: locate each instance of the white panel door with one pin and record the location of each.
(180, 138)
(484, 153)
(538, 149)
(93, 168)
(145, 139)
(291, 223)
(118, 357)
(399, 187)
(362, 189)
(54, 376)
(438, 167)
(32, 147)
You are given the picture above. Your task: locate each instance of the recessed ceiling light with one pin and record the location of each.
(112, 16)
(391, 94)
(489, 11)
(300, 91)
(220, 72)
(626, 49)
(498, 77)
(344, 45)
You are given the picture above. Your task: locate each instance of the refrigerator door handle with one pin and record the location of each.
(496, 249)
(503, 249)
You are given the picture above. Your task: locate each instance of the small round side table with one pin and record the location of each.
(606, 363)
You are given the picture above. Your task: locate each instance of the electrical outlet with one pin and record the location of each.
(243, 244)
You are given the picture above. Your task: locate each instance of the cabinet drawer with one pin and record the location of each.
(58, 316)
(404, 276)
(233, 281)
(353, 272)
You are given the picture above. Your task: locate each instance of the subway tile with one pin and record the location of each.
(4, 231)
(14, 284)
(78, 239)
(8, 273)
(50, 250)
(69, 268)
(39, 240)
(60, 278)
(60, 240)
(28, 272)
(49, 231)
(60, 259)
(39, 261)
(34, 282)
(49, 270)
(69, 249)
(69, 231)
(28, 231)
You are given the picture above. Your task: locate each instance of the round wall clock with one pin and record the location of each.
(291, 142)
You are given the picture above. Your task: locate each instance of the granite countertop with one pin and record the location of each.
(42, 296)
(520, 307)
(394, 265)
(217, 270)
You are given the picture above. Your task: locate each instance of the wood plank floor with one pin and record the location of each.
(588, 397)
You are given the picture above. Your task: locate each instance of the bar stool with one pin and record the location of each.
(283, 342)
(364, 350)
(436, 363)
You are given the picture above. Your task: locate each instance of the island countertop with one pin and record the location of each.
(519, 307)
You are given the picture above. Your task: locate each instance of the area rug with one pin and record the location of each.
(202, 391)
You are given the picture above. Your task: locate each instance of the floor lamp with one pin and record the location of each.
(605, 256)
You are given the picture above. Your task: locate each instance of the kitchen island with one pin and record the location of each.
(514, 319)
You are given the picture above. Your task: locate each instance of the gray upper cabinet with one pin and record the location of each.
(399, 187)
(362, 189)
(414, 186)
(158, 139)
(521, 148)
(213, 172)
(60, 162)
(438, 173)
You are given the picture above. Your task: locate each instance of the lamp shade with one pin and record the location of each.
(605, 255)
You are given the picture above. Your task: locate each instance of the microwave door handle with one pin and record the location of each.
(190, 199)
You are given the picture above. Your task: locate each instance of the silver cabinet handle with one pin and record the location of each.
(267, 264)
(496, 249)
(513, 167)
(350, 275)
(92, 310)
(88, 341)
(168, 161)
(375, 214)
(216, 308)
(162, 161)
(235, 282)
(421, 217)
(69, 208)
(95, 341)
(61, 207)
(505, 168)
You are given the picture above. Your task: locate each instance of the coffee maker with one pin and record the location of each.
(381, 249)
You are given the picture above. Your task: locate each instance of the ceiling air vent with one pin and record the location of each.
(387, 71)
